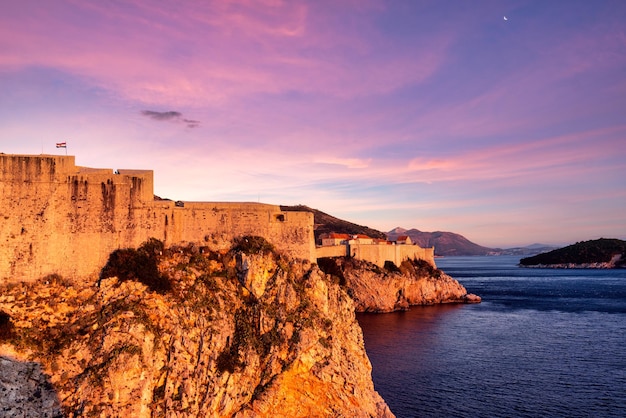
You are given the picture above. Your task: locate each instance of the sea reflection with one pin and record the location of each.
(385, 332)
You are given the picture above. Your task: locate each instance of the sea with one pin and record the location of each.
(543, 343)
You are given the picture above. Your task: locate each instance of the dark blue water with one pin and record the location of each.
(543, 343)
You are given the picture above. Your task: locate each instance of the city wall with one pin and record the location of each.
(378, 254)
(56, 217)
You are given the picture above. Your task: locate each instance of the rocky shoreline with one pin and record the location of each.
(611, 264)
(572, 266)
(414, 282)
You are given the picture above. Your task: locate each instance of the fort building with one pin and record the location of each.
(376, 251)
(60, 218)
(57, 217)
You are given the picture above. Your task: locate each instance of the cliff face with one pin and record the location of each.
(246, 333)
(376, 289)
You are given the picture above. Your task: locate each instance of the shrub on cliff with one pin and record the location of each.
(140, 265)
(6, 326)
(152, 248)
(330, 266)
(391, 267)
(251, 244)
(419, 268)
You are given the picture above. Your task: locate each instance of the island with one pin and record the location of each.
(600, 253)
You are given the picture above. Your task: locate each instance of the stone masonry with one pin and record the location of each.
(56, 217)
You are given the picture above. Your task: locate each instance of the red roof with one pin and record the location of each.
(334, 235)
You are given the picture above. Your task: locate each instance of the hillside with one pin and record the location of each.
(600, 253)
(445, 243)
(325, 223)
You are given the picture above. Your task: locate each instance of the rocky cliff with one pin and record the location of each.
(243, 333)
(393, 288)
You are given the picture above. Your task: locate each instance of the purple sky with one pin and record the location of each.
(436, 115)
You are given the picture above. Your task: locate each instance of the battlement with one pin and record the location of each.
(22, 168)
(56, 217)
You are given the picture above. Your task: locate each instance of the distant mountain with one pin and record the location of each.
(527, 251)
(599, 253)
(537, 246)
(325, 223)
(445, 243)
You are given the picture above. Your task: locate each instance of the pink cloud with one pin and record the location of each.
(546, 159)
(208, 53)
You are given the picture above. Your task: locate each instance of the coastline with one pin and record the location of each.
(608, 265)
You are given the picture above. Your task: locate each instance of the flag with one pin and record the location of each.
(61, 144)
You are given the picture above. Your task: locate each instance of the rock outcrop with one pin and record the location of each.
(393, 288)
(25, 391)
(245, 333)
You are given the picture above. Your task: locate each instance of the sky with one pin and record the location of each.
(503, 120)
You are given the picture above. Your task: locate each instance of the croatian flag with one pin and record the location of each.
(61, 144)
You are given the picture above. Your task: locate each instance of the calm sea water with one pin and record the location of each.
(543, 343)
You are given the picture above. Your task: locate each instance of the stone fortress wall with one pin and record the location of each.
(56, 217)
(378, 254)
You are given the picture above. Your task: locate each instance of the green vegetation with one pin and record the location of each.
(330, 266)
(140, 265)
(251, 244)
(419, 268)
(595, 251)
(391, 267)
(55, 279)
(338, 266)
(6, 326)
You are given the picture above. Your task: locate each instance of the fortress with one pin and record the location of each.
(57, 217)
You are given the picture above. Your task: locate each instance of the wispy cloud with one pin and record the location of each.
(161, 115)
(213, 53)
(170, 116)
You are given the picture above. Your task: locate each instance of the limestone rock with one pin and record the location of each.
(25, 390)
(279, 340)
(376, 289)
